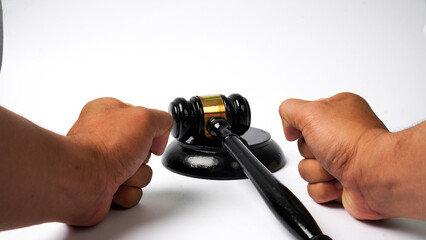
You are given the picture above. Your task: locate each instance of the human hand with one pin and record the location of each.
(115, 140)
(337, 137)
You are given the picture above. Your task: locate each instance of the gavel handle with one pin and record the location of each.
(280, 200)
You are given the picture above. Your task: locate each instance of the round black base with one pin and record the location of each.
(209, 160)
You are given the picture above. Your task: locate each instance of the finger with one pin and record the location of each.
(141, 178)
(290, 132)
(162, 124)
(159, 144)
(147, 158)
(294, 117)
(304, 149)
(127, 197)
(324, 191)
(312, 171)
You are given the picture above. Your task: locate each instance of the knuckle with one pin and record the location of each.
(101, 103)
(301, 169)
(143, 114)
(282, 107)
(307, 171)
(304, 148)
(145, 119)
(346, 95)
(351, 98)
(317, 192)
(106, 101)
(323, 171)
(311, 191)
(132, 198)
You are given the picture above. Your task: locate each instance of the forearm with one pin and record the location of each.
(74, 179)
(31, 160)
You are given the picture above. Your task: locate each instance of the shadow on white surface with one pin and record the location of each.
(154, 208)
(395, 228)
(414, 228)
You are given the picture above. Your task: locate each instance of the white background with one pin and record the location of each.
(60, 54)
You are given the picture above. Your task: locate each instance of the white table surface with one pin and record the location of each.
(60, 54)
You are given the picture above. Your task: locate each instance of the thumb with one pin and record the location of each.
(294, 115)
(163, 123)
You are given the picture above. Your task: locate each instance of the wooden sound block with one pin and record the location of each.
(209, 160)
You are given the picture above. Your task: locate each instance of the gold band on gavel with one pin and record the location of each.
(213, 106)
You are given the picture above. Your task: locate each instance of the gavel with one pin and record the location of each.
(217, 118)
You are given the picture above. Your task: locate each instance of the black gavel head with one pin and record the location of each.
(191, 117)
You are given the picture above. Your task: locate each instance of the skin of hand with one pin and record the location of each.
(76, 178)
(350, 156)
(121, 138)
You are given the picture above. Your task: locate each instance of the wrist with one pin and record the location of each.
(407, 169)
(392, 181)
(80, 184)
(372, 177)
